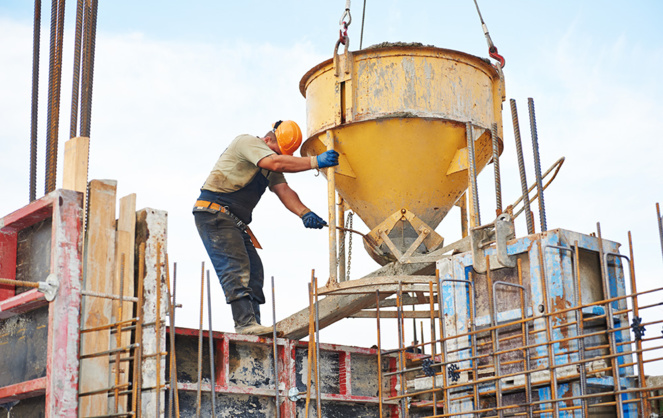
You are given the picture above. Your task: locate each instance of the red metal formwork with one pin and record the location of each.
(62, 258)
(253, 355)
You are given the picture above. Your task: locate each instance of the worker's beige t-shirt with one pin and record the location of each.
(239, 164)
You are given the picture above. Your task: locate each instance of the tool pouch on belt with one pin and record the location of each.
(202, 205)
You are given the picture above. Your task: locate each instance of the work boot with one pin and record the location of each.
(245, 319)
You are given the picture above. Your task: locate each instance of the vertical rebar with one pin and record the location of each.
(401, 353)
(199, 393)
(75, 92)
(311, 342)
(462, 204)
(521, 168)
(118, 337)
(90, 29)
(496, 169)
(494, 337)
(318, 395)
(35, 100)
(157, 326)
(341, 239)
(171, 327)
(210, 339)
(537, 164)
(275, 351)
(377, 315)
(660, 225)
(363, 17)
(475, 215)
(443, 336)
(525, 341)
(172, 340)
(638, 341)
(431, 301)
(138, 351)
(611, 325)
(55, 73)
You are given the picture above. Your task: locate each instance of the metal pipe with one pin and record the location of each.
(199, 393)
(341, 239)
(475, 216)
(318, 395)
(610, 321)
(275, 351)
(36, 36)
(580, 329)
(311, 341)
(331, 202)
(521, 168)
(210, 338)
(76, 83)
(496, 169)
(537, 163)
(171, 354)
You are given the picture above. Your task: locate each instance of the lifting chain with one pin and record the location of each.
(492, 49)
(343, 31)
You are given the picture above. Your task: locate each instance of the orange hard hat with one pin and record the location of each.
(288, 136)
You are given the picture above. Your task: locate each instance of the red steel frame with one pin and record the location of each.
(287, 370)
(60, 385)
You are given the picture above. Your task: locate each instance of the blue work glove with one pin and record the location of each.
(311, 220)
(328, 159)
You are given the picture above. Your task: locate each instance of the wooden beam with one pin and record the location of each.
(124, 250)
(75, 169)
(151, 229)
(99, 274)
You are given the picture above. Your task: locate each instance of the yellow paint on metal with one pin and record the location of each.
(398, 121)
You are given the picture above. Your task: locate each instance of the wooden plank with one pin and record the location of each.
(151, 229)
(62, 367)
(75, 169)
(98, 276)
(124, 249)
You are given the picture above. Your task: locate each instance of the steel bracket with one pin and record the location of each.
(498, 233)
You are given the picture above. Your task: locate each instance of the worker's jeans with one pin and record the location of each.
(234, 257)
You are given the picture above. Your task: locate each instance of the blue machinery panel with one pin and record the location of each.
(564, 290)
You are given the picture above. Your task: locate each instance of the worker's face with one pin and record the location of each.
(272, 143)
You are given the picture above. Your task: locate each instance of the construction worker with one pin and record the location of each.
(223, 211)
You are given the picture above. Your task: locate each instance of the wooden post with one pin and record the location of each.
(124, 246)
(98, 276)
(75, 168)
(151, 228)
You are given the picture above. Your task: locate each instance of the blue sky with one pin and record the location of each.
(175, 82)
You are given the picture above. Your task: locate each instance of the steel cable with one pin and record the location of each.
(35, 100)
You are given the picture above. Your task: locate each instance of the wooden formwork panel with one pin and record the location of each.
(39, 339)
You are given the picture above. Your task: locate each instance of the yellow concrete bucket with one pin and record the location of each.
(397, 114)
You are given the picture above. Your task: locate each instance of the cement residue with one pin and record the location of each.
(400, 44)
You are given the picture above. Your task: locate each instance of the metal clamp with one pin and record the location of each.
(500, 231)
(50, 287)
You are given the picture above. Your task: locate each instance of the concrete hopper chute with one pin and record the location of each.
(398, 118)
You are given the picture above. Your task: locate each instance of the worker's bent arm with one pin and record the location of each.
(289, 198)
(285, 163)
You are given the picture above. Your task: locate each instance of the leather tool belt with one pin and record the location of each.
(215, 207)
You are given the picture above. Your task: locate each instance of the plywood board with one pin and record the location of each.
(99, 273)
